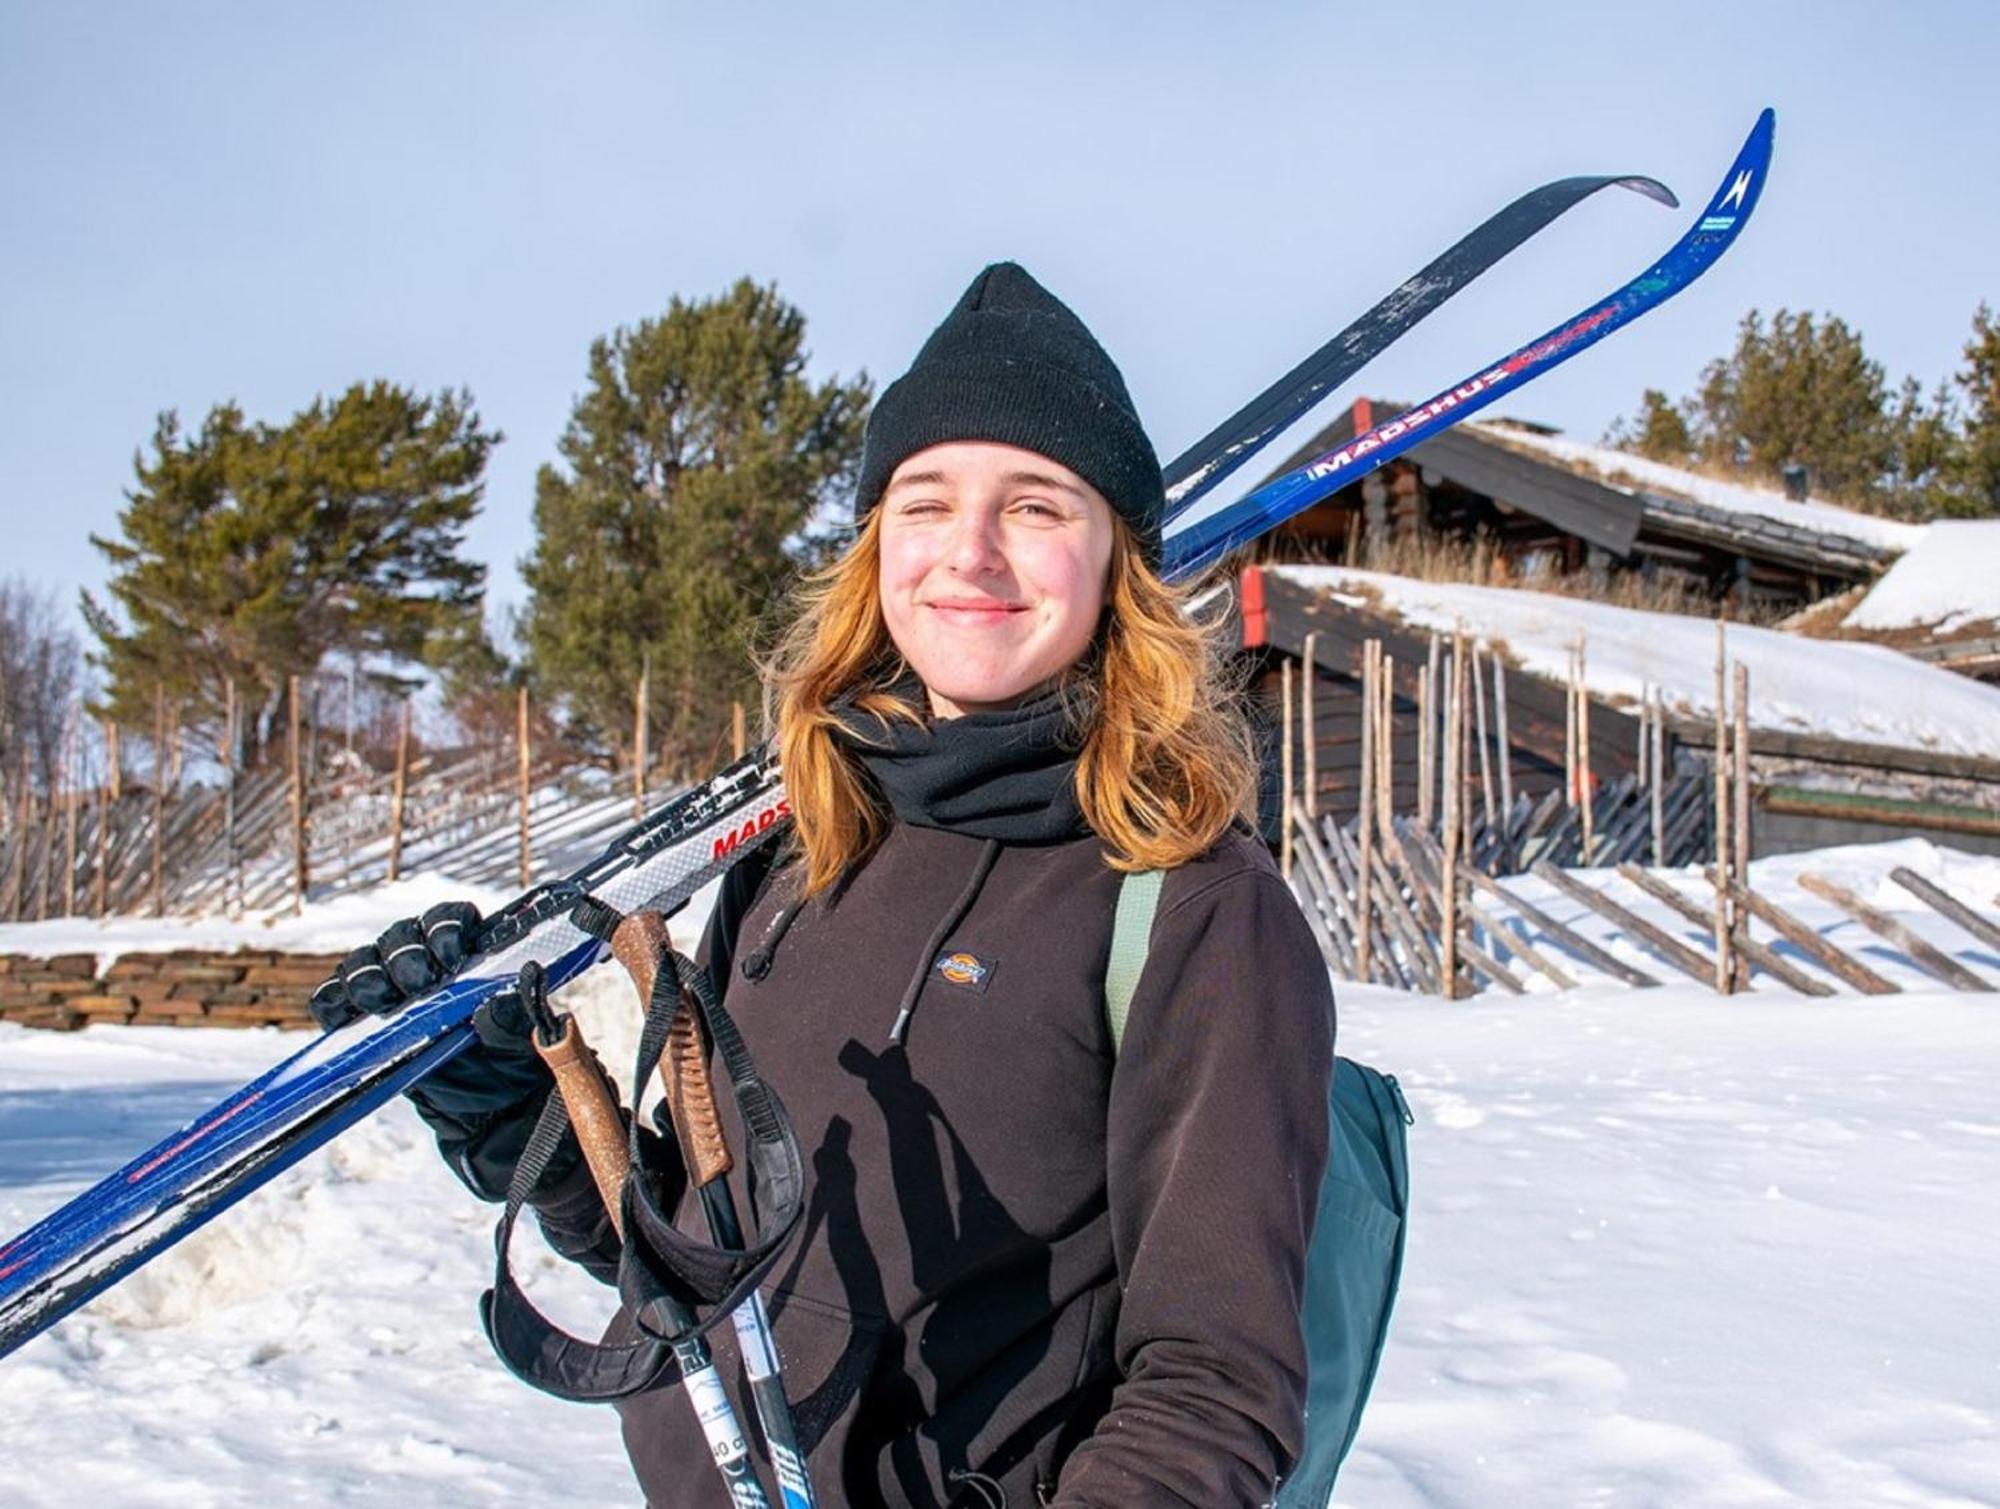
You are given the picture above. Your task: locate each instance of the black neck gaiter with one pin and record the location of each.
(1008, 775)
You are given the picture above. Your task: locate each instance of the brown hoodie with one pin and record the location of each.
(1031, 1271)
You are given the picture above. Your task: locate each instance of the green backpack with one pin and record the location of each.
(1356, 1257)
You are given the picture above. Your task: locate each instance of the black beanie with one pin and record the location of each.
(1011, 363)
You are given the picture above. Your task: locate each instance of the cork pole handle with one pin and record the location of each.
(638, 944)
(593, 1111)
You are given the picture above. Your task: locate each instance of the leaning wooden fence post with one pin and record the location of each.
(159, 800)
(15, 906)
(1432, 712)
(1659, 765)
(1424, 742)
(1569, 732)
(399, 794)
(1947, 905)
(524, 754)
(1480, 739)
(1308, 733)
(1454, 799)
(1385, 748)
(296, 771)
(1725, 972)
(1809, 941)
(641, 715)
(17, 871)
(1927, 957)
(1285, 770)
(100, 882)
(1371, 675)
(1643, 755)
(739, 734)
(1586, 782)
(47, 849)
(1740, 840)
(232, 883)
(72, 781)
(1463, 671)
(1505, 754)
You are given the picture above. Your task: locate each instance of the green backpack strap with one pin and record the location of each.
(1131, 936)
(1356, 1259)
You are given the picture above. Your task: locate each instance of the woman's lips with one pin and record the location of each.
(975, 611)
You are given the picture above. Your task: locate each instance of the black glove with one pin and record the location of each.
(411, 957)
(482, 1104)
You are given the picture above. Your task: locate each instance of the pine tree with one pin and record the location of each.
(248, 552)
(1801, 391)
(696, 459)
(1978, 461)
(1926, 448)
(1658, 432)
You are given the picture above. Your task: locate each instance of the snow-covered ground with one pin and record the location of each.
(1667, 1249)
(1630, 473)
(1833, 687)
(1949, 579)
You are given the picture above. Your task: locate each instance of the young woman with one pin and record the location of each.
(1035, 1268)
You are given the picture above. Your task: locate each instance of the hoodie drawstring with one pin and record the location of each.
(988, 853)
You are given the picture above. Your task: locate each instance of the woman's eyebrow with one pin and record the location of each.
(919, 479)
(1042, 479)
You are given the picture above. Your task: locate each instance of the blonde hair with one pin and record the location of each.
(1166, 763)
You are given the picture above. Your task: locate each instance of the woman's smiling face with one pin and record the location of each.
(994, 562)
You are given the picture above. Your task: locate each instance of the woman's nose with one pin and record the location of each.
(975, 543)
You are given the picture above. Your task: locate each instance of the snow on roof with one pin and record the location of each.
(1636, 474)
(1832, 688)
(1949, 579)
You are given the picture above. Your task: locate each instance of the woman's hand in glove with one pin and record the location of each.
(483, 1103)
(410, 959)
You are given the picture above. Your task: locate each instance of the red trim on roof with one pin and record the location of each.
(1364, 416)
(1250, 602)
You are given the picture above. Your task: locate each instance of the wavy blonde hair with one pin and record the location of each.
(1166, 763)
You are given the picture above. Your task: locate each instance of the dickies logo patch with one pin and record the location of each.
(965, 970)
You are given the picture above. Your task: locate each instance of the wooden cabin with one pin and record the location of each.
(1811, 790)
(1543, 510)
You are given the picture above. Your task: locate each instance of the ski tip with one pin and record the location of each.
(1744, 183)
(1651, 188)
(1762, 134)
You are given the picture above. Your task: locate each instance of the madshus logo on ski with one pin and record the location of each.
(965, 970)
(107, 1231)
(728, 843)
(1715, 220)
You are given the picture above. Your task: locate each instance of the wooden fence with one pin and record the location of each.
(317, 822)
(253, 845)
(1416, 899)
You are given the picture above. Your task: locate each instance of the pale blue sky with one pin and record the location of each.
(265, 202)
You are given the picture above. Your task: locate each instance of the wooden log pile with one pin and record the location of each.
(185, 988)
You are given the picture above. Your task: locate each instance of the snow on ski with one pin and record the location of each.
(274, 1121)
